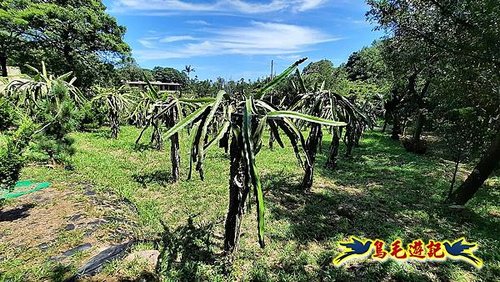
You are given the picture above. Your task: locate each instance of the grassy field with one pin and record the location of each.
(381, 192)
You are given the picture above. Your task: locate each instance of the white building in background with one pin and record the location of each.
(162, 86)
(13, 71)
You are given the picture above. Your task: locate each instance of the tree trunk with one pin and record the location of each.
(452, 185)
(238, 192)
(311, 150)
(349, 134)
(224, 142)
(419, 127)
(421, 115)
(114, 121)
(334, 150)
(271, 139)
(174, 146)
(386, 119)
(481, 172)
(415, 144)
(3, 63)
(156, 139)
(320, 142)
(358, 133)
(396, 127)
(115, 127)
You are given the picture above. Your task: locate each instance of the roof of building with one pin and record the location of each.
(153, 83)
(12, 70)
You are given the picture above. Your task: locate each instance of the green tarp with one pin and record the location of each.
(22, 188)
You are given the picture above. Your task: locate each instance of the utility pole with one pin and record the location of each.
(272, 69)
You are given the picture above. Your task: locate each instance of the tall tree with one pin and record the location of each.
(319, 72)
(466, 35)
(411, 65)
(367, 64)
(13, 24)
(169, 75)
(71, 35)
(188, 70)
(129, 70)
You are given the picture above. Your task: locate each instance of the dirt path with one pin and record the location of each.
(62, 226)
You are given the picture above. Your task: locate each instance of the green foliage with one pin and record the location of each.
(74, 35)
(117, 102)
(367, 64)
(365, 75)
(249, 154)
(27, 92)
(246, 118)
(462, 70)
(50, 102)
(7, 114)
(169, 75)
(203, 88)
(58, 117)
(92, 115)
(153, 108)
(463, 132)
(11, 155)
(439, 78)
(445, 61)
(361, 90)
(131, 71)
(320, 72)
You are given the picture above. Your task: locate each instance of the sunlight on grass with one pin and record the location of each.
(381, 192)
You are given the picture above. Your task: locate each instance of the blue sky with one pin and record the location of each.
(239, 38)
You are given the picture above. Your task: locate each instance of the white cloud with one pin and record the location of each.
(160, 5)
(197, 22)
(253, 8)
(289, 57)
(148, 42)
(239, 6)
(170, 39)
(258, 38)
(309, 4)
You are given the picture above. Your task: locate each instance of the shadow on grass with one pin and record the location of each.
(60, 273)
(381, 192)
(16, 213)
(145, 145)
(102, 132)
(186, 250)
(141, 147)
(160, 177)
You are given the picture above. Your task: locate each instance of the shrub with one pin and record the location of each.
(7, 114)
(413, 146)
(58, 118)
(91, 116)
(11, 155)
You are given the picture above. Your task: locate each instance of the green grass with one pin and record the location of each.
(387, 192)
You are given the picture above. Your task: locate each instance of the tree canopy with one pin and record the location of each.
(166, 74)
(450, 49)
(74, 35)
